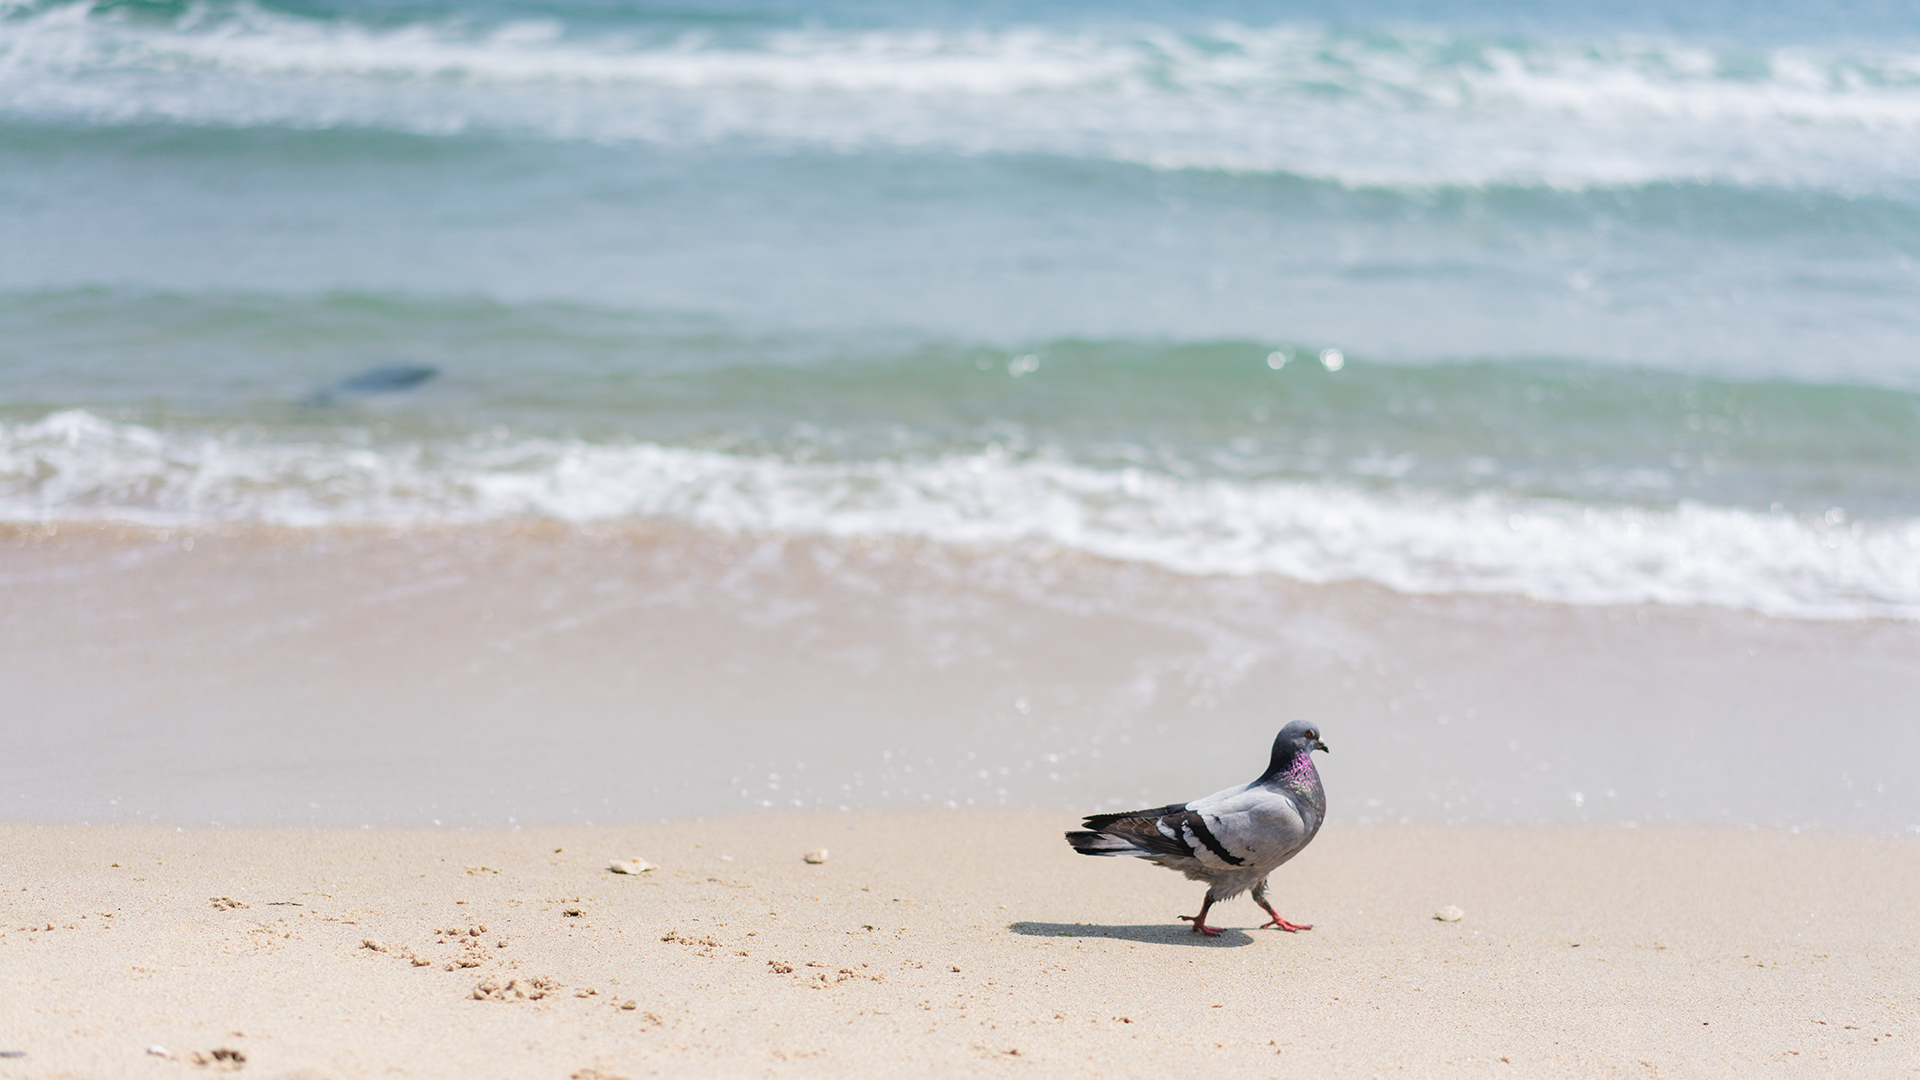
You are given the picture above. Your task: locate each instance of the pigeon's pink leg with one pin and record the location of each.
(1278, 923)
(1200, 921)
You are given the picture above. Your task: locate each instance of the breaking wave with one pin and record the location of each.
(74, 466)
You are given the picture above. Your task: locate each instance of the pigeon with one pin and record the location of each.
(1231, 839)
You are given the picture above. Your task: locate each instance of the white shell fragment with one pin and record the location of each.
(635, 865)
(157, 1051)
(1449, 914)
(816, 856)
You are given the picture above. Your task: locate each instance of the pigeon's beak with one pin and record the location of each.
(1318, 745)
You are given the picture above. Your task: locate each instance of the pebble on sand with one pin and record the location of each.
(635, 865)
(816, 856)
(1449, 914)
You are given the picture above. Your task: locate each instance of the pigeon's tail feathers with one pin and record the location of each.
(1093, 843)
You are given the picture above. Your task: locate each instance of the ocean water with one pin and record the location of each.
(1593, 306)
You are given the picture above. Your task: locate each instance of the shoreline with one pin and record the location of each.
(359, 678)
(951, 943)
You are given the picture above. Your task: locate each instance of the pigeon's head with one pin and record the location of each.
(1293, 752)
(1298, 737)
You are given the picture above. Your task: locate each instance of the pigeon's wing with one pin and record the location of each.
(1099, 822)
(1178, 831)
(1135, 832)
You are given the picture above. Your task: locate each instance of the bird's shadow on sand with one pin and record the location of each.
(1155, 934)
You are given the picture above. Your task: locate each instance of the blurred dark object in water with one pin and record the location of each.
(385, 379)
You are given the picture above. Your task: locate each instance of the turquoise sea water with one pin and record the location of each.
(874, 404)
(1590, 305)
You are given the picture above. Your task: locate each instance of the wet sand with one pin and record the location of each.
(950, 943)
(491, 677)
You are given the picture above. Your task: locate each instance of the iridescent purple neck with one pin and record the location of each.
(1301, 778)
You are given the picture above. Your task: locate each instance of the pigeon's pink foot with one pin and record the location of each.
(1279, 923)
(1200, 925)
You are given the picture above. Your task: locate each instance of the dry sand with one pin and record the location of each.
(950, 943)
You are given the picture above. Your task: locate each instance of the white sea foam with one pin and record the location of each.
(76, 466)
(1406, 109)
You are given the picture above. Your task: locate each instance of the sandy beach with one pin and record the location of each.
(950, 943)
(189, 882)
(448, 448)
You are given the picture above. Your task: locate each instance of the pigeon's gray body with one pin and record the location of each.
(1231, 839)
